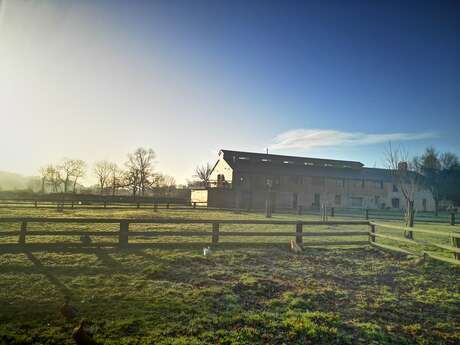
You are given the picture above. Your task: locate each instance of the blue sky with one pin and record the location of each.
(330, 79)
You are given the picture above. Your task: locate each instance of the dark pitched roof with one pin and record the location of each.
(232, 157)
(268, 164)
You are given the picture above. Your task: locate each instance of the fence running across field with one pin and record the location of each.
(178, 204)
(123, 233)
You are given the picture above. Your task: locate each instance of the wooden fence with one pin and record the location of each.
(98, 205)
(409, 239)
(155, 205)
(123, 233)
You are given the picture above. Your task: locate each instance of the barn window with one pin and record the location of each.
(338, 199)
(357, 202)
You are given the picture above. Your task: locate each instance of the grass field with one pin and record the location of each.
(249, 291)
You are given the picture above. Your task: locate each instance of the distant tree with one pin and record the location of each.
(79, 171)
(53, 176)
(430, 167)
(449, 161)
(203, 173)
(405, 176)
(139, 166)
(43, 175)
(116, 177)
(71, 170)
(437, 170)
(102, 170)
(66, 170)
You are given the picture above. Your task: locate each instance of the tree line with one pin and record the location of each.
(435, 171)
(137, 175)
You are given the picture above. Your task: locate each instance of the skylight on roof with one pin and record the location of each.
(309, 163)
(288, 162)
(243, 158)
(266, 160)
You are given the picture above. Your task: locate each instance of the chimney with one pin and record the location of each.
(402, 166)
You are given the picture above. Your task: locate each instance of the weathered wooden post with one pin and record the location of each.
(123, 234)
(298, 233)
(194, 205)
(268, 211)
(155, 206)
(105, 203)
(332, 211)
(452, 218)
(456, 244)
(22, 233)
(72, 204)
(299, 211)
(324, 213)
(215, 233)
(372, 237)
(35, 204)
(367, 214)
(138, 205)
(167, 205)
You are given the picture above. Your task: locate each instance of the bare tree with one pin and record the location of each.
(43, 175)
(140, 170)
(405, 177)
(71, 170)
(203, 173)
(102, 170)
(79, 170)
(116, 177)
(53, 176)
(66, 170)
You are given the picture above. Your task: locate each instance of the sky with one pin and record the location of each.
(95, 80)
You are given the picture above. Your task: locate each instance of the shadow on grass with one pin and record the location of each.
(63, 290)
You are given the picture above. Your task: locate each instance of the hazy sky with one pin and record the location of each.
(334, 79)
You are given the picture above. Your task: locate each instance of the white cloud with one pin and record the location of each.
(310, 138)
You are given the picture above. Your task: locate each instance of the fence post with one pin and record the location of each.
(35, 204)
(215, 233)
(298, 233)
(194, 204)
(138, 205)
(72, 204)
(123, 234)
(452, 218)
(367, 214)
(300, 210)
(372, 237)
(268, 211)
(155, 206)
(22, 233)
(332, 211)
(167, 205)
(456, 244)
(105, 203)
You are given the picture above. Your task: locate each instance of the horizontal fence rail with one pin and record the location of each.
(409, 239)
(123, 233)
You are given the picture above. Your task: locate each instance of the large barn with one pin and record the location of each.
(247, 180)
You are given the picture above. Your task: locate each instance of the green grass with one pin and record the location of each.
(250, 291)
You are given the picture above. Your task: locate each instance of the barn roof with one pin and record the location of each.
(269, 164)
